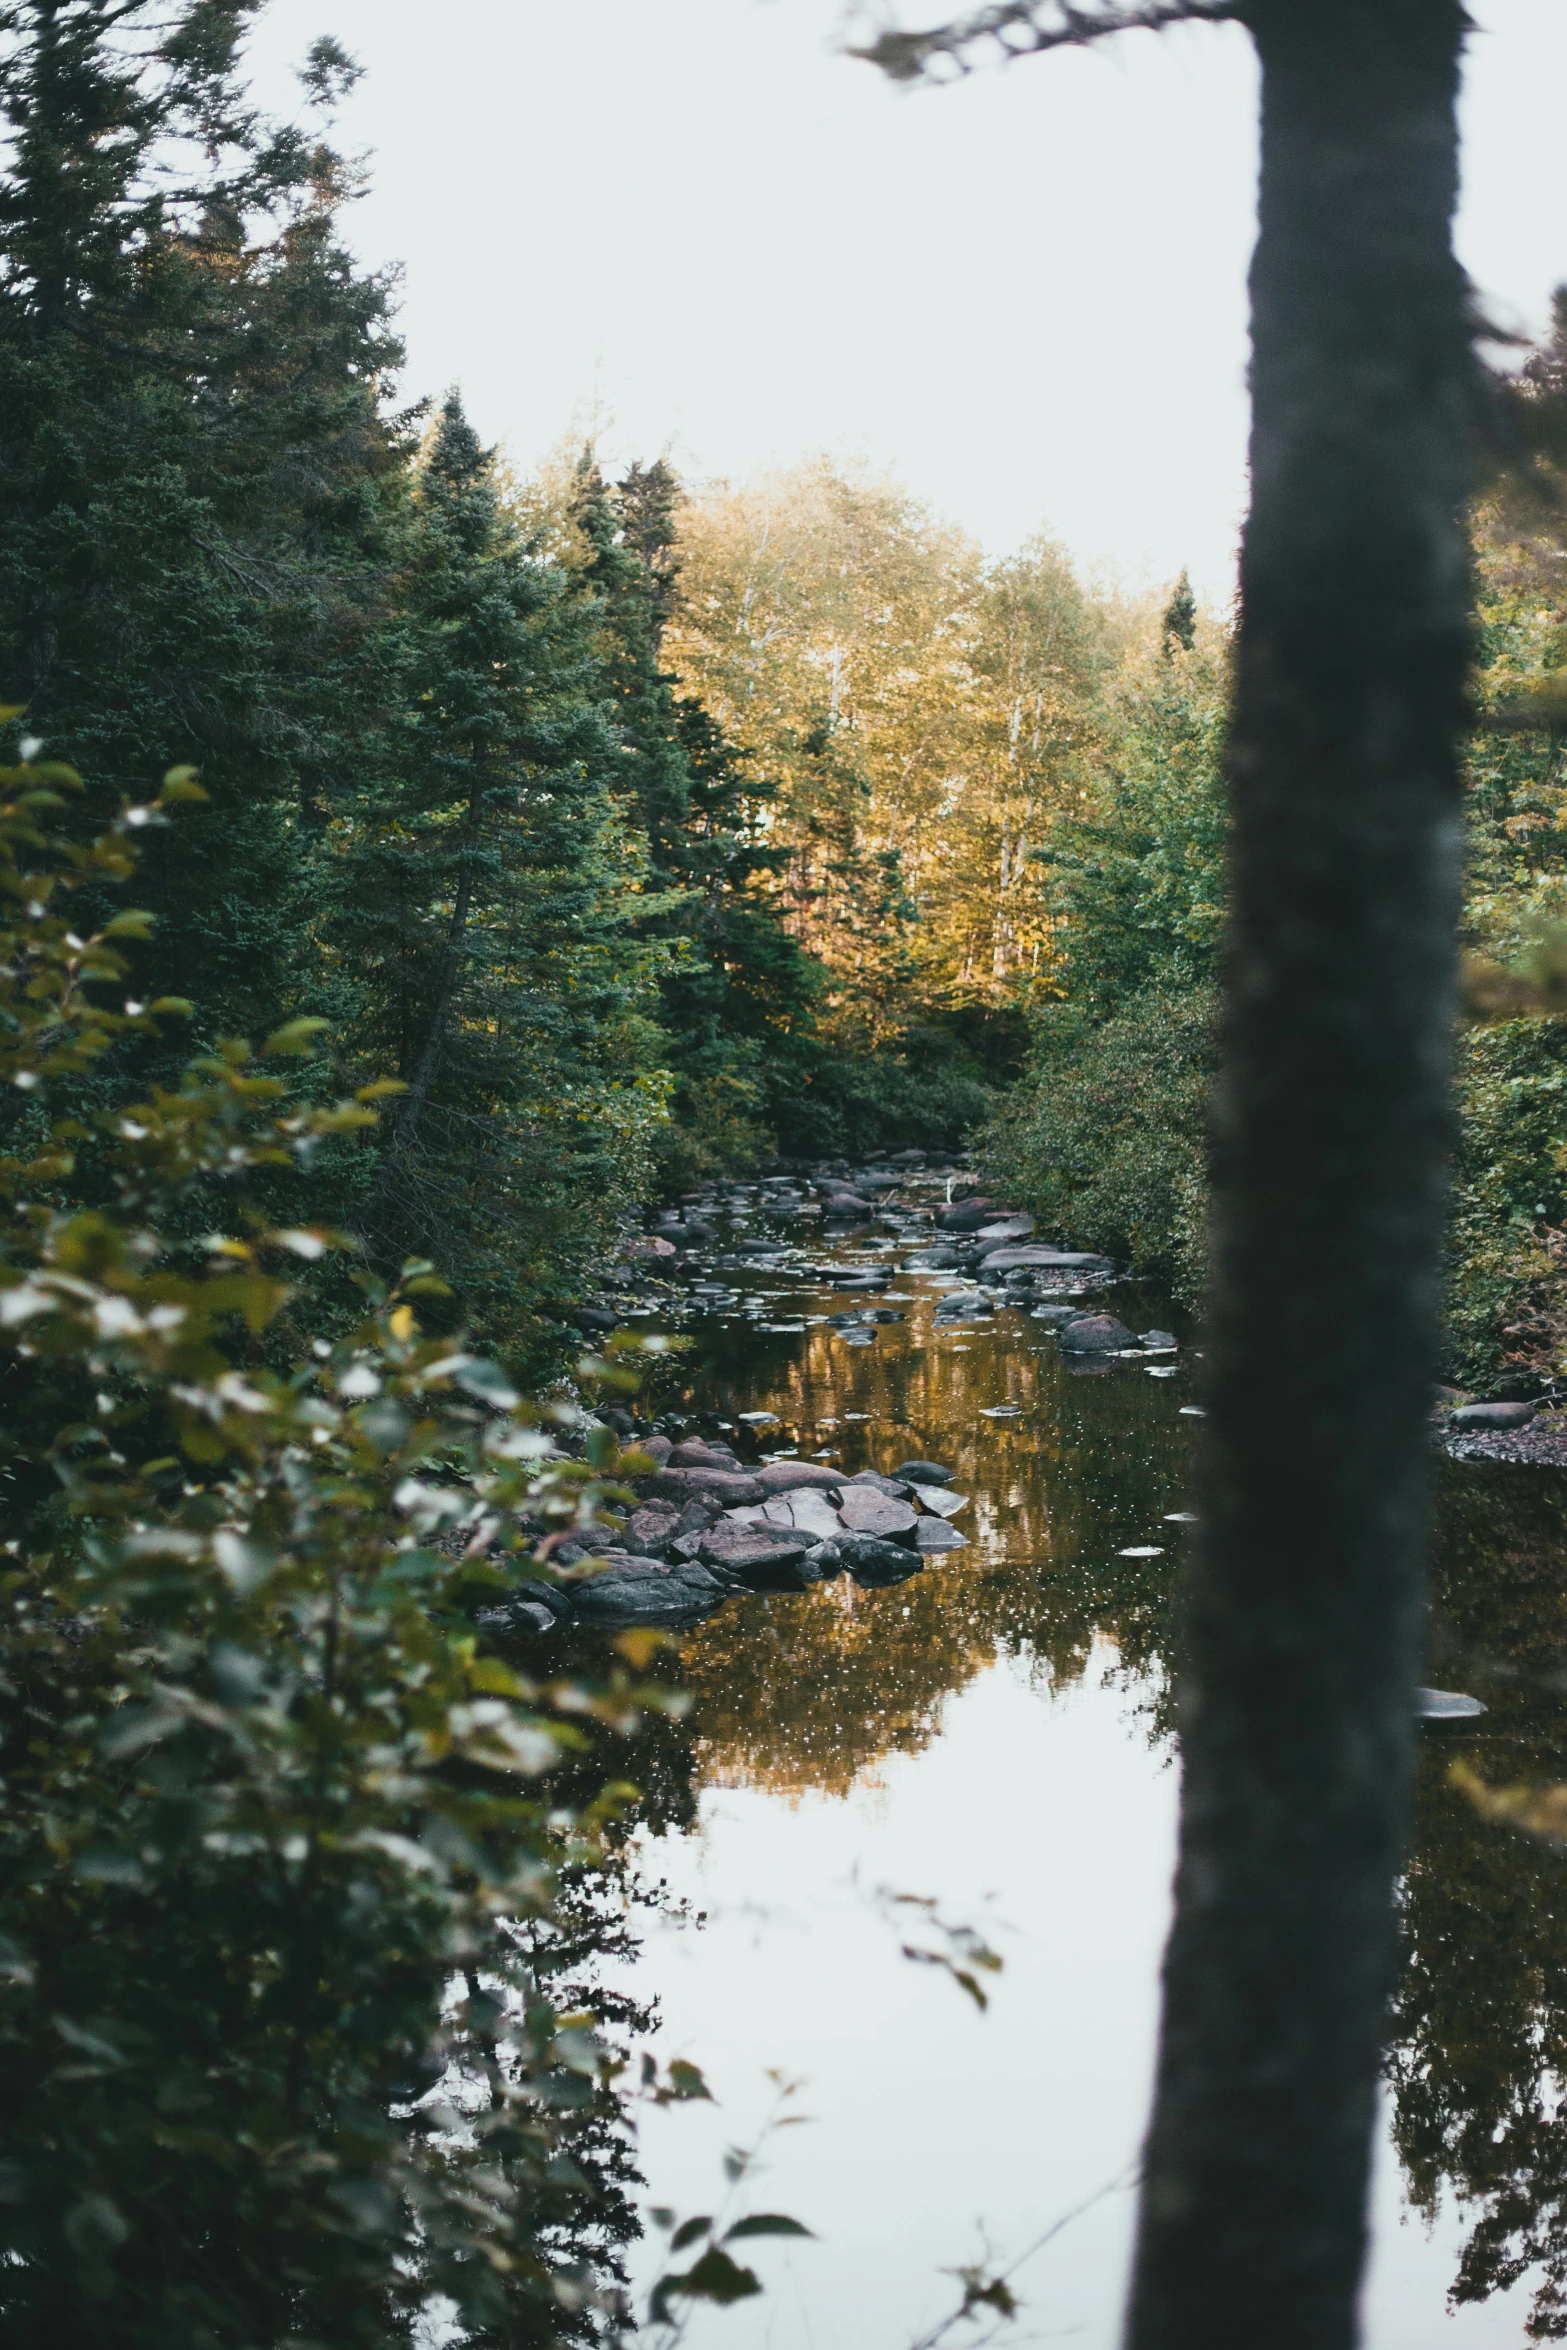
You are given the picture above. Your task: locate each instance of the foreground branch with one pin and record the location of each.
(1026, 28)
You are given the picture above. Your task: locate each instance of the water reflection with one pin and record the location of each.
(1480, 2051)
(817, 1695)
(811, 1691)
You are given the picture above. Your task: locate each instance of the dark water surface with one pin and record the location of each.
(994, 1737)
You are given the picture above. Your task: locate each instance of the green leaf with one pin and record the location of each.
(765, 2223)
(716, 2278)
(688, 2232)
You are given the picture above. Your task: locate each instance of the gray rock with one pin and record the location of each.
(1054, 1314)
(876, 1564)
(940, 1502)
(923, 1473)
(650, 1529)
(516, 1617)
(1059, 1260)
(932, 1536)
(693, 1452)
(766, 1558)
(1092, 1334)
(725, 1486)
(940, 1257)
(866, 1511)
(1446, 1705)
(895, 1488)
(1159, 1338)
(1493, 1415)
(642, 1591)
(790, 1476)
(808, 1512)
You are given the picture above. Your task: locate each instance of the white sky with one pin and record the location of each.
(692, 224)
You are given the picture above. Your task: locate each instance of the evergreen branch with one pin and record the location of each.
(1025, 28)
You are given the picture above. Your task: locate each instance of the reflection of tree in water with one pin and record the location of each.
(1479, 2055)
(810, 1691)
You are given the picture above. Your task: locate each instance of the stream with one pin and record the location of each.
(982, 1759)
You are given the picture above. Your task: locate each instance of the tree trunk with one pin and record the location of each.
(1303, 1618)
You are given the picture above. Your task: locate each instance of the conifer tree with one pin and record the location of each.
(1179, 626)
(481, 904)
(738, 993)
(193, 465)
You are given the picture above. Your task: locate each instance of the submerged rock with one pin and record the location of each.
(876, 1564)
(923, 1473)
(942, 1503)
(643, 1591)
(1058, 1260)
(1091, 1334)
(932, 1536)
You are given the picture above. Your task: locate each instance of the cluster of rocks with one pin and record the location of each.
(706, 1527)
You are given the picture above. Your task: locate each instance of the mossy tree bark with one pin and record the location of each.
(1304, 1609)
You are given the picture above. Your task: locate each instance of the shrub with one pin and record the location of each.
(280, 1864)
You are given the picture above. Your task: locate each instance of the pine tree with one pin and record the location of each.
(481, 903)
(1179, 626)
(738, 996)
(193, 464)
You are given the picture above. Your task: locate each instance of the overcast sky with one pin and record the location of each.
(692, 225)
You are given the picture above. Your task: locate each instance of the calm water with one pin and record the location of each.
(995, 1737)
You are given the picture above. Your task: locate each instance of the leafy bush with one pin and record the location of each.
(1106, 1143)
(280, 1863)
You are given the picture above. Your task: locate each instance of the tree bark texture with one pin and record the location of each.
(1303, 1615)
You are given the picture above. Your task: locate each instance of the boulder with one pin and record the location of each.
(846, 1203)
(694, 1452)
(724, 1486)
(893, 1487)
(940, 1502)
(593, 1318)
(1160, 1338)
(865, 1511)
(876, 1564)
(1095, 1334)
(1054, 1314)
(791, 1476)
(806, 1512)
(923, 1473)
(1493, 1415)
(1050, 1260)
(768, 1559)
(940, 1257)
(970, 1218)
(651, 1528)
(642, 1591)
(932, 1536)
(516, 1618)
(1007, 1228)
